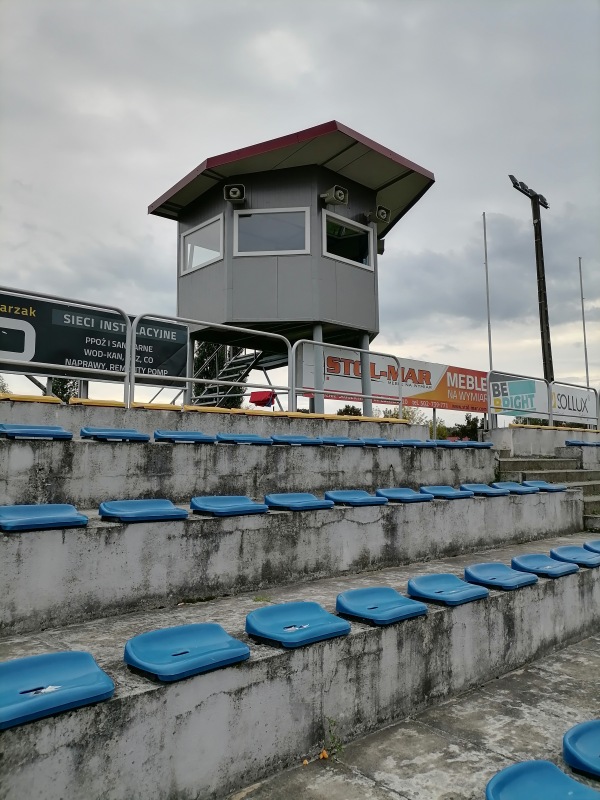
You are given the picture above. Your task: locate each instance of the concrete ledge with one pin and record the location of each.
(86, 473)
(588, 457)
(206, 736)
(74, 417)
(532, 441)
(64, 576)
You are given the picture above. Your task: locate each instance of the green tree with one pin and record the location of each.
(415, 416)
(209, 360)
(441, 431)
(4, 386)
(468, 429)
(65, 388)
(349, 411)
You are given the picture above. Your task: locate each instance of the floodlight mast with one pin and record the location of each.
(537, 201)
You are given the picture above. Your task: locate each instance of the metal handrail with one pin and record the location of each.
(292, 365)
(191, 380)
(58, 368)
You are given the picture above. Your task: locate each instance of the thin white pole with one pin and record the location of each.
(487, 291)
(587, 372)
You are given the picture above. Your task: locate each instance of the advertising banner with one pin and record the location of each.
(573, 403)
(69, 336)
(516, 396)
(424, 384)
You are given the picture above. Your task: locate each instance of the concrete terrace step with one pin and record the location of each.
(591, 505)
(591, 522)
(416, 759)
(574, 476)
(86, 473)
(589, 488)
(208, 735)
(536, 464)
(54, 577)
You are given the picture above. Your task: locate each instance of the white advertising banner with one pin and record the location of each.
(424, 384)
(573, 403)
(523, 397)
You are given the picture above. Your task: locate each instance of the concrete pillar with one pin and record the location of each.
(189, 373)
(365, 376)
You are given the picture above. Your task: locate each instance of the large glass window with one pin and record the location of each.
(271, 231)
(347, 241)
(202, 245)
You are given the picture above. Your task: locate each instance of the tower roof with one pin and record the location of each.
(399, 183)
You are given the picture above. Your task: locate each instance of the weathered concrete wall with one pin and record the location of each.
(73, 418)
(588, 457)
(206, 736)
(87, 473)
(59, 577)
(537, 441)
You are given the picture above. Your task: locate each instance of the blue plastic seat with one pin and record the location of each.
(227, 505)
(449, 444)
(296, 501)
(171, 654)
(446, 492)
(496, 575)
(114, 435)
(39, 686)
(576, 443)
(581, 747)
(402, 494)
(294, 624)
(541, 564)
(140, 510)
(416, 443)
(297, 440)
(40, 517)
(355, 497)
(378, 605)
(536, 780)
(34, 432)
(544, 486)
(515, 488)
(243, 438)
(381, 442)
(483, 490)
(576, 555)
(445, 588)
(343, 441)
(593, 546)
(192, 437)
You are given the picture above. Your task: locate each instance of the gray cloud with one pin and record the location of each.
(106, 105)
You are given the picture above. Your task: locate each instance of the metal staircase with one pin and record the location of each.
(234, 364)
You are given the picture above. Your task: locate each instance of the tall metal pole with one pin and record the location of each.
(587, 372)
(542, 296)
(487, 291)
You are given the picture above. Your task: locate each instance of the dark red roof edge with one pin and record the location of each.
(214, 162)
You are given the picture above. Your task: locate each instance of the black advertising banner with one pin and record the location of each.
(69, 336)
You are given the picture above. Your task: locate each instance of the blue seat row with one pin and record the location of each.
(577, 443)
(543, 780)
(38, 686)
(62, 515)
(197, 437)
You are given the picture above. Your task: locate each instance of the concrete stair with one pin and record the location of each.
(558, 470)
(211, 734)
(202, 738)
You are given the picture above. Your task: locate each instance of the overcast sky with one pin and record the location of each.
(105, 105)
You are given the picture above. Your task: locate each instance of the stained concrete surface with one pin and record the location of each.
(450, 752)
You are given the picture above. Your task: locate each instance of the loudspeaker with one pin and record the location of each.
(336, 196)
(234, 192)
(381, 214)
